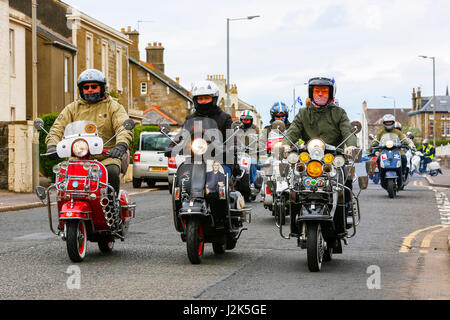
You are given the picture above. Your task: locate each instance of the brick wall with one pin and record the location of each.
(4, 155)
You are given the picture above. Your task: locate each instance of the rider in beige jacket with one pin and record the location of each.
(109, 115)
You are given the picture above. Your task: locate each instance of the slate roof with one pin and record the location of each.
(55, 39)
(442, 105)
(155, 113)
(374, 115)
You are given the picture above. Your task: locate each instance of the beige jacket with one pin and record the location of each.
(108, 115)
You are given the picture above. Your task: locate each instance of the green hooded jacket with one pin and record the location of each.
(330, 123)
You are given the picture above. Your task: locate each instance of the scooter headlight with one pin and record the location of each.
(80, 148)
(314, 169)
(199, 146)
(389, 144)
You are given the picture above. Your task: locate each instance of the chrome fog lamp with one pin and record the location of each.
(87, 166)
(95, 171)
(292, 158)
(80, 148)
(339, 161)
(56, 168)
(199, 146)
(316, 154)
(64, 165)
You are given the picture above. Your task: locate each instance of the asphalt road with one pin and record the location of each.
(152, 262)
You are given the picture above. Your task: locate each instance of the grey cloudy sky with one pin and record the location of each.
(370, 47)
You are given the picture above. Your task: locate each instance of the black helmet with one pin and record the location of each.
(92, 75)
(322, 81)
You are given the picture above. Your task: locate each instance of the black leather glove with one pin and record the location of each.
(53, 154)
(119, 150)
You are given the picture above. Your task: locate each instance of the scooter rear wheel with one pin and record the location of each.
(218, 247)
(194, 241)
(105, 244)
(76, 240)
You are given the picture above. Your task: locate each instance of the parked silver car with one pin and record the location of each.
(149, 164)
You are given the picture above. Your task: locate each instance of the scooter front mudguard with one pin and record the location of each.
(391, 174)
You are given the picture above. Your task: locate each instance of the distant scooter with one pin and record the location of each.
(433, 168)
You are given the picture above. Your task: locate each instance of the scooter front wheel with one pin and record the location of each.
(194, 241)
(391, 188)
(315, 246)
(76, 240)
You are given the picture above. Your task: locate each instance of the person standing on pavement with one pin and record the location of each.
(109, 115)
(428, 152)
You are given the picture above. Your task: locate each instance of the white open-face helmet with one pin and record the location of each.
(206, 88)
(389, 122)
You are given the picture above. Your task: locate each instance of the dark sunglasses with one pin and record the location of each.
(280, 116)
(93, 86)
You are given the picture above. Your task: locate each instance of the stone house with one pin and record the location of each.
(422, 115)
(101, 47)
(158, 97)
(372, 121)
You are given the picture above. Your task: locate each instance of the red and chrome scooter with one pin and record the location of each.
(88, 208)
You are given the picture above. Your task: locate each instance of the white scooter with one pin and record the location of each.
(433, 168)
(274, 184)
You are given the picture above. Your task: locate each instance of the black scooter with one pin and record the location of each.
(205, 210)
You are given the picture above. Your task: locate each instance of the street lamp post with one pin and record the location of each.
(394, 105)
(228, 107)
(434, 98)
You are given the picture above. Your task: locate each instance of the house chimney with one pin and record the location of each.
(414, 99)
(177, 79)
(134, 47)
(419, 98)
(446, 92)
(155, 55)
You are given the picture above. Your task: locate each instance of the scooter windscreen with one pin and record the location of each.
(80, 128)
(389, 140)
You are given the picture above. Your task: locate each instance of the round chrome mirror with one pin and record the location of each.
(129, 124)
(356, 126)
(280, 125)
(38, 124)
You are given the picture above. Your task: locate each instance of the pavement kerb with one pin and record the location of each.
(33, 205)
(432, 183)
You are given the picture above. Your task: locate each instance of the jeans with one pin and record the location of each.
(253, 171)
(114, 177)
(424, 161)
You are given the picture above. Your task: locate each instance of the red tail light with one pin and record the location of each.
(172, 163)
(137, 157)
(267, 190)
